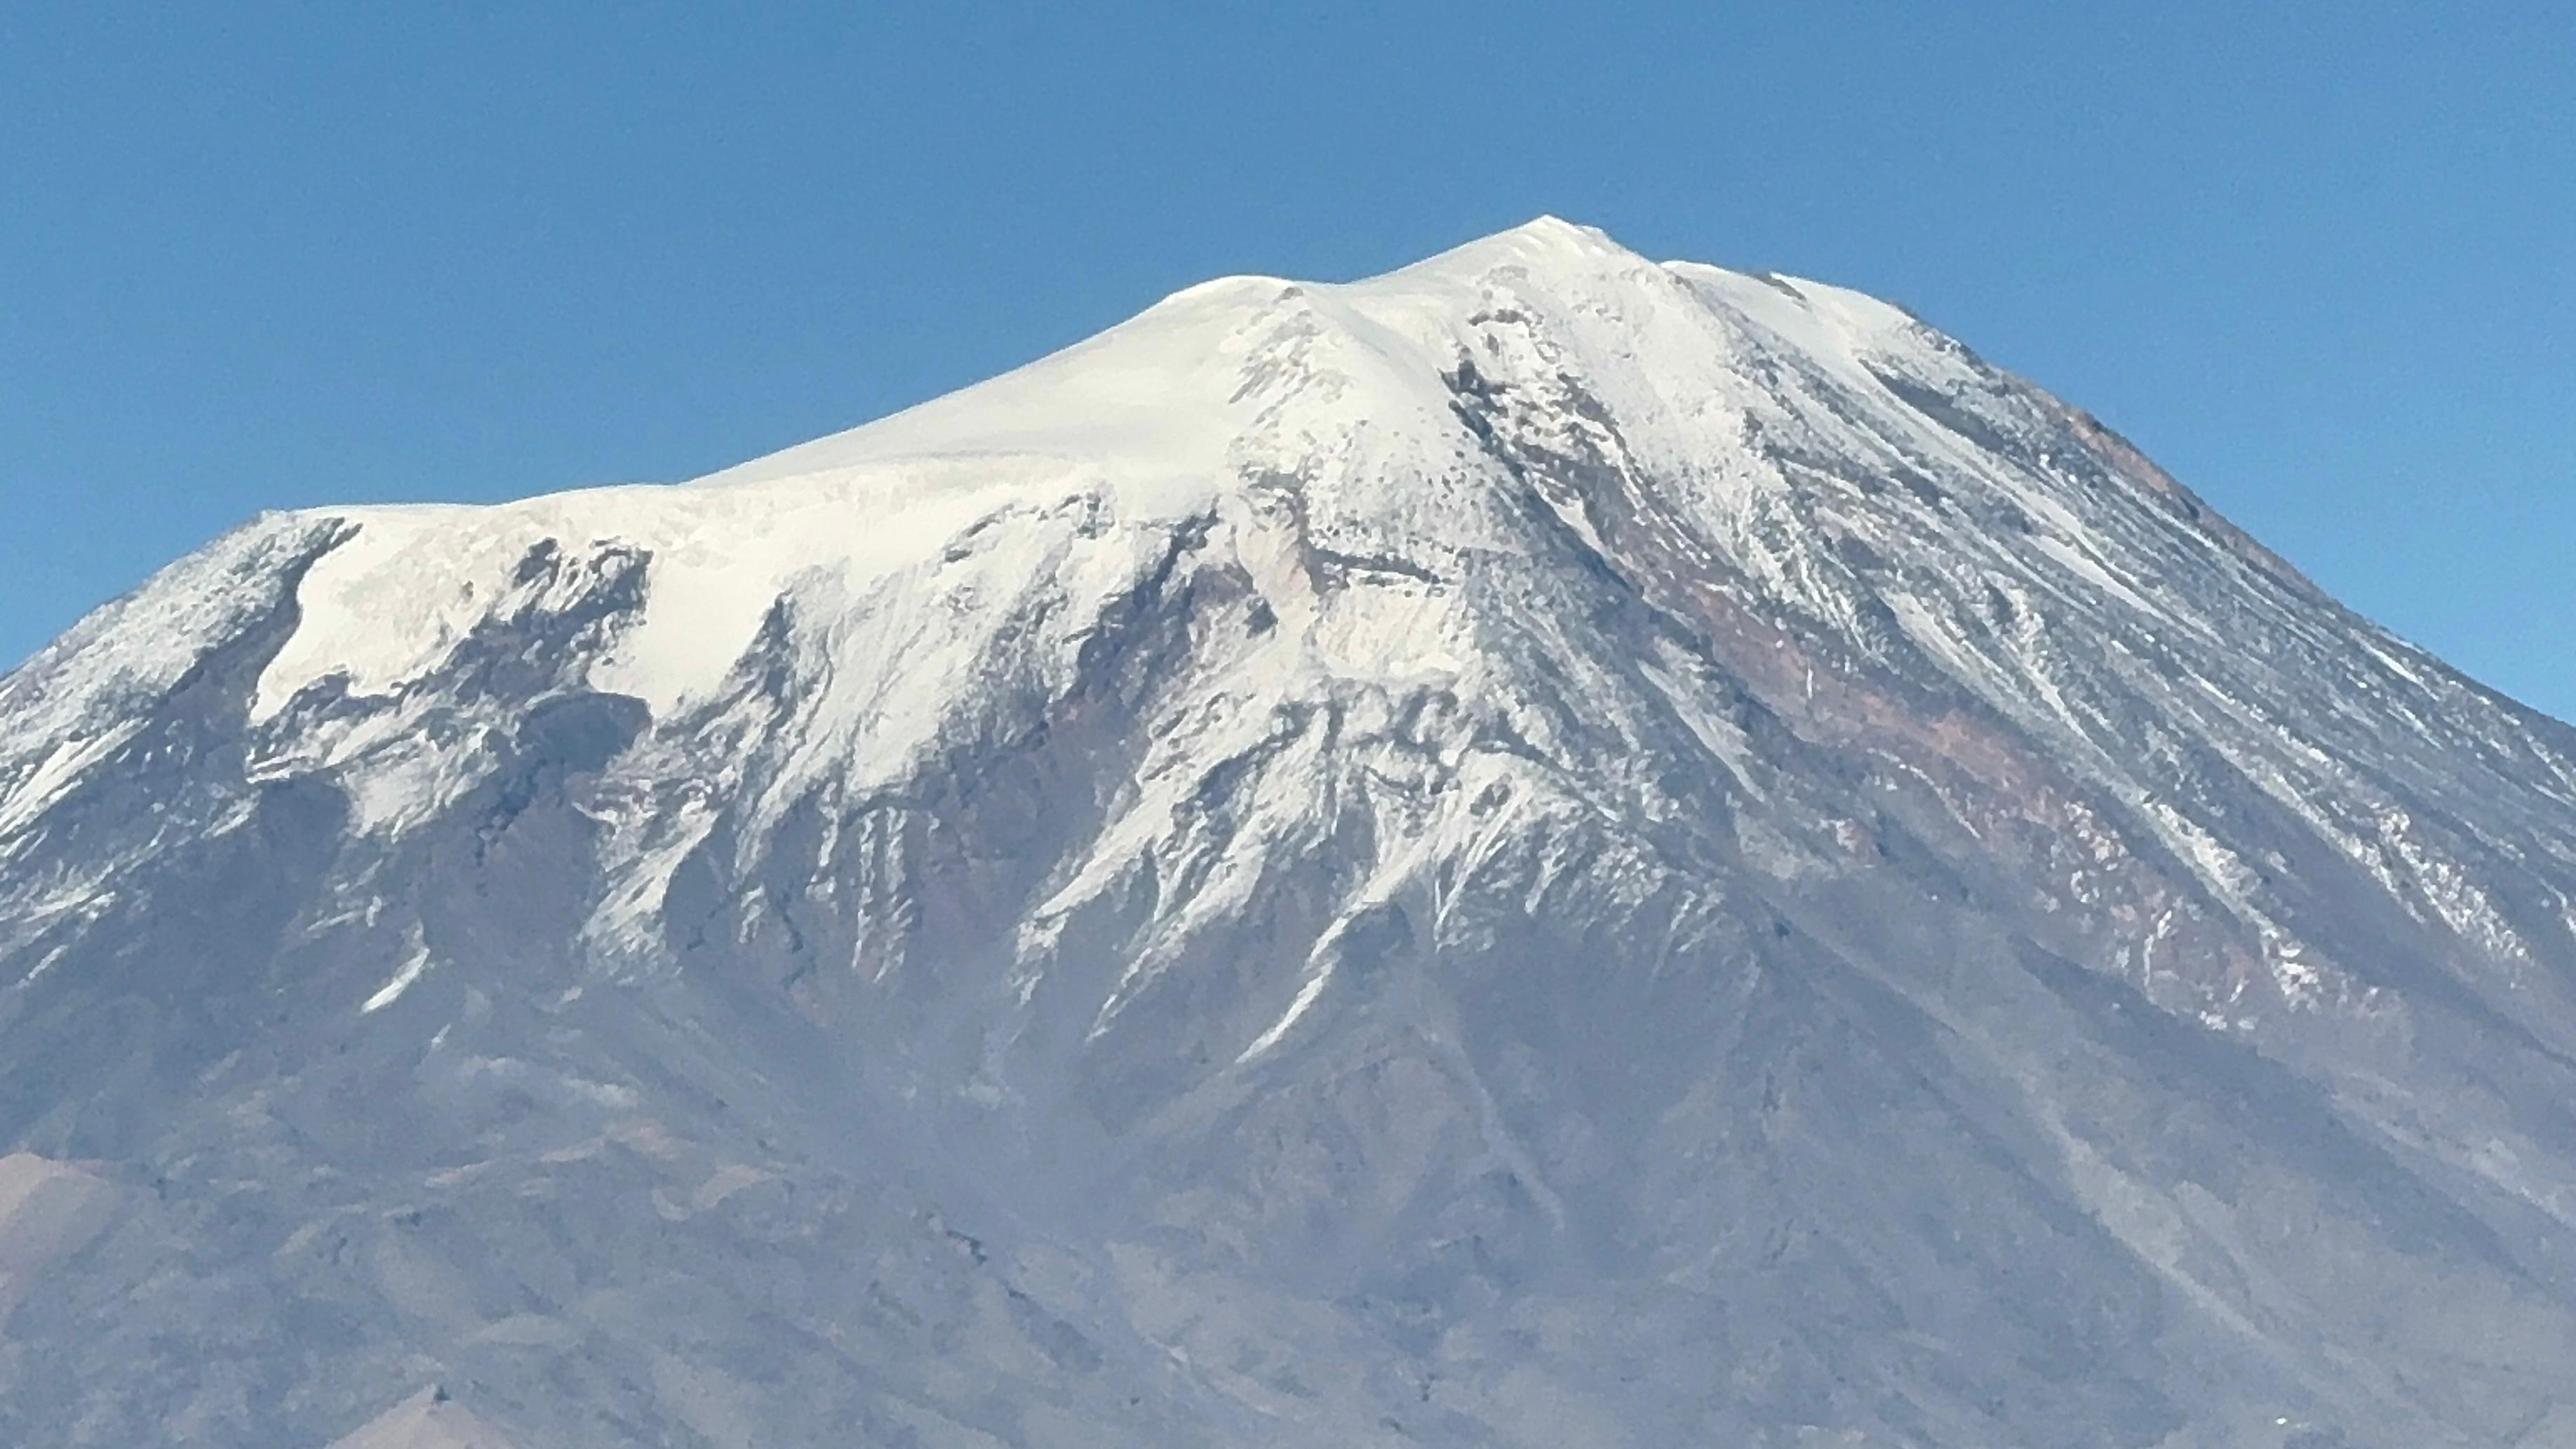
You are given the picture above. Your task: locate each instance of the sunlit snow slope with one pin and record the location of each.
(1543, 850)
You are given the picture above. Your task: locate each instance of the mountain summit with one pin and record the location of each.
(1544, 850)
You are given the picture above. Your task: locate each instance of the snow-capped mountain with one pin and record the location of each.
(1542, 850)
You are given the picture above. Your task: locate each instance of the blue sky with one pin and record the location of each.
(2316, 258)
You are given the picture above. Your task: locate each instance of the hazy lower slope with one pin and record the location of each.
(1543, 850)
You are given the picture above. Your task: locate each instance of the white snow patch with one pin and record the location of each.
(391, 992)
(1307, 995)
(2083, 565)
(61, 767)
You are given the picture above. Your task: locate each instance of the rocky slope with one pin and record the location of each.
(1541, 850)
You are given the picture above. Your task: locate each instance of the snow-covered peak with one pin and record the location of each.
(1383, 853)
(1541, 244)
(1160, 395)
(1162, 417)
(1847, 473)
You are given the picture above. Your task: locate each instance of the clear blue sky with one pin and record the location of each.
(2316, 257)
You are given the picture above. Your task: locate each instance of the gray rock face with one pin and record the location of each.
(1546, 850)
